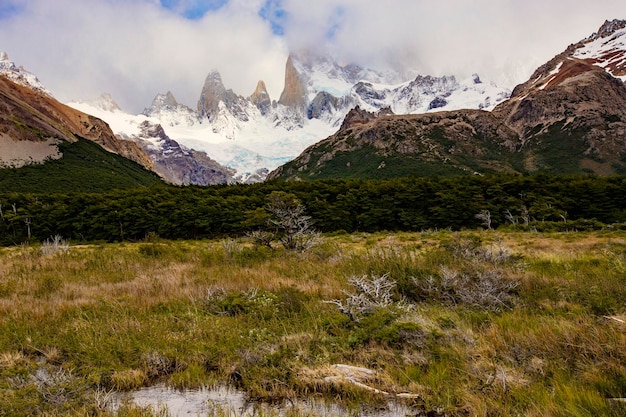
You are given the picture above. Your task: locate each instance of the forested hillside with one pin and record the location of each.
(407, 204)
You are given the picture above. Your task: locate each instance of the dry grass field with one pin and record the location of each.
(475, 323)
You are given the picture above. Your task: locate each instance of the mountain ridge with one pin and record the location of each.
(570, 115)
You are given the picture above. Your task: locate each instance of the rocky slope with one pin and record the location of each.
(570, 116)
(177, 164)
(30, 118)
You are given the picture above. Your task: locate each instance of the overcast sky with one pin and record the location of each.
(134, 49)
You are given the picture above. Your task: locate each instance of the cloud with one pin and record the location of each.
(504, 40)
(134, 49)
(193, 9)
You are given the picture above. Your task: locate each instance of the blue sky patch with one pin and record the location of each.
(273, 12)
(335, 23)
(8, 10)
(193, 9)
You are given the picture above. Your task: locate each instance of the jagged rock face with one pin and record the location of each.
(358, 116)
(261, 98)
(30, 115)
(162, 102)
(169, 111)
(294, 94)
(177, 164)
(214, 93)
(323, 106)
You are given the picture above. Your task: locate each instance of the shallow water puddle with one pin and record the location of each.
(223, 401)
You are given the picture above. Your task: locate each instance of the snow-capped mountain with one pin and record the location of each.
(20, 76)
(254, 135)
(604, 49)
(34, 125)
(569, 117)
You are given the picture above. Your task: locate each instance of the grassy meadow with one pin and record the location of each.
(473, 323)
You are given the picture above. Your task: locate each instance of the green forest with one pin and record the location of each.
(538, 202)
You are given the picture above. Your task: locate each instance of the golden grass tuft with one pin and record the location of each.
(12, 360)
(128, 379)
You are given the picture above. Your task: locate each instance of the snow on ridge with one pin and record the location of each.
(20, 76)
(551, 75)
(608, 52)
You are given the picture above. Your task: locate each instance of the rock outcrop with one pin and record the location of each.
(213, 93)
(177, 164)
(294, 94)
(261, 98)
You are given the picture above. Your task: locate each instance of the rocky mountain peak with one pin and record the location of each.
(169, 100)
(359, 116)
(106, 102)
(294, 94)
(212, 93)
(261, 98)
(160, 103)
(20, 76)
(608, 28)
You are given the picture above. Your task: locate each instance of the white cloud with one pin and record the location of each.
(135, 48)
(504, 40)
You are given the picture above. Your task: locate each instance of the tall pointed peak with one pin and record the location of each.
(161, 102)
(261, 98)
(294, 93)
(214, 78)
(213, 92)
(4, 56)
(260, 91)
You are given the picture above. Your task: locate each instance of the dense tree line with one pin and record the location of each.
(408, 204)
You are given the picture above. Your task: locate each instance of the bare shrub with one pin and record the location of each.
(496, 254)
(472, 250)
(261, 238)
(489, 289)
(294, 229)
(370, 293)
(56, 385)
(54, 245)
(485, 217)
(103, 398)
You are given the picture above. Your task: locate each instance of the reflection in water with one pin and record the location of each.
(224, 401)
